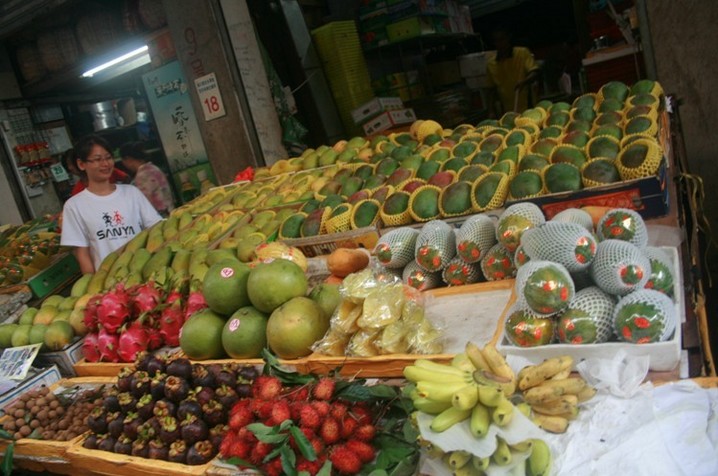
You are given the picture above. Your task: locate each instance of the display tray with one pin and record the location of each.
(324, 244)
(664, 356)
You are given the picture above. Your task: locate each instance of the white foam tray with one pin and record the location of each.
(664, 356)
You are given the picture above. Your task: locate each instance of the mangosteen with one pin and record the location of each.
(131, 423)
(123, 445)
(204, 395)
(180, 368)
(157, 386)
(110, 401)
(226, 396)
(188, 406)
(164, 408)
(97, 420)
(146, 431)
(200, 453)
(214, 369)
(142, 359)
(115, 424)
(155, 424)
(124, 379)
(216, 435)
(201, 377)
(169, 430)
(193, 429)
(244, 390)
(90, 442)
(106, 443)
(157, 450)
(140, 384)
(226, 377)
(127, 402)
(155, 364)
(178, 452)
(248, 373)
(139, 448)
(214, 413)
(176, 388)
(145, 406)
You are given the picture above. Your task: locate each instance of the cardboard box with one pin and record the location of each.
(36, 379)
(410, 28)
(64, 359)
(374, 107)
(388, 120)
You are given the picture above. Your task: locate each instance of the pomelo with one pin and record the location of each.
(225, 286)
(37, 334)
(6, 331)
(77, 321)
(21, 335)
(58, 335)
(201, 336)
(294, 327)
(28, 315)
(245, 333)
(327, 297)
(272, 284)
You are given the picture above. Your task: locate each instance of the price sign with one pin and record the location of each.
(59, 174)
(209, 97)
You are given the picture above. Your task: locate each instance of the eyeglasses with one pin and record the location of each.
(97, 159)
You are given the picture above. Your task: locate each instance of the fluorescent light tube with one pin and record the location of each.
(132, 54)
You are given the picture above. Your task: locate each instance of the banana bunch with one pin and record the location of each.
(465, 463)
(552, 394)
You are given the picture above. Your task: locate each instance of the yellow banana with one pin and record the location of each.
(554, 389)
(524, 408)
(480, 463)
(448, 418)
(479, 421)
(473, 352)
(499, 367)
(468, 470)
(502, 454)
(489, 396)
(562, 374)
(420, 374)
(430, 406)
(503, 413)
(436, 367)
(568, 385)
(522, 446)
(539, 463)
(459, 459)
(557, 407)
(550, 423)
(438, 391)
(461, 361)
(466, 397)
(545, 370)
(587, 393)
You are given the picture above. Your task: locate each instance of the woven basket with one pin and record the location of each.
(98, 31)
(152, 14)
(30, 62)
(58, 48)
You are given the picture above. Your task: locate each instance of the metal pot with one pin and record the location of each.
(104, 115)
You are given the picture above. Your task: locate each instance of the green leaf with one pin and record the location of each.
(383, 391)
(286, 424)
(378, 472)
(289, 460)
(272, 454)
(7, 459)
(304, 445)
(240, 462)
(326, 469)
(273, 367)
(304, 473)
(260, 429)
(406, 467)
(410, 432)
(272, 439)
(4, 434)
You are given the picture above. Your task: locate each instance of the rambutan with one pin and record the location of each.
(361, 414)
(260, 451)
(298, 394)
(349, 426)
(345, 460)
(330, 431)
(321, 407)
(246, 435)
(318, 445)
(266, 387)
(364, 450)
(273, 467)
(309, 417)
(280, 412)
(240, 418)
(311, 467)
(338, 411)
(324, 389)
(240, 449)
(365, 433)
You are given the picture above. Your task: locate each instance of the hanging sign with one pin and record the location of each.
(209, 96)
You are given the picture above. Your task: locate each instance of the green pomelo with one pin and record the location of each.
(638, 124)
(244, 335)
(272, 284)
(503, 166)
(611, 130)
(425, 202)
(634, 155)
(483, 157)
(294, 327)
(491, 143)
(386, 167)
(6, 332)
(225, 286)
(604, 147)
(201, 336)
(533, 162)
(413, 162)
(427, 169)
(568, 154)
(562, 177)
(551, 132)
(579, 125)
(340, 209)
(365, 213)
(351, 186)
(399, 176)
(456, 198)
(21, 335)
(508, 120)
(486, 187)
(511, 153)
(601, 170)
(375, 181)
(465, 149)
(610, 105)
(310, 205)
(396, 203)
(440, 155)
(611, 117)
(525, 184)
(615, 90)
(471, 172)
(58, 335)
(37, 334)
(327, 298)
(455, 164)
(560, 119)
(548, 290)
(292, 226)
(544, 146)
(28, 315)
(54, 300)
(576, 138)
(441, 179)
(331, 201)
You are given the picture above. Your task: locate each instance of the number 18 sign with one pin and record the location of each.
(209, 96)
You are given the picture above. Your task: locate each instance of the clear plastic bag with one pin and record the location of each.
(382, 307)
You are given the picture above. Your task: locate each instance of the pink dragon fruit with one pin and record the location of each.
(171, 322)
(195, 303)
(114, 309)
(90, 348)
(132, 341)
(90, 314)
(173, 296)
(145, 298)
(154, 337)
(107, 344)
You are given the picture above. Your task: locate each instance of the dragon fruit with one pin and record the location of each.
(145, 298)
(107, 344)
(171, 322)
(114, 309)
(90, 314)
(133, 340)
(90, 348)
(173, 296)
(195, 303)
(154, 337)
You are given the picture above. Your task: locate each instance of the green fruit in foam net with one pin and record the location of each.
(579, 125)
(533, 162)
(644, 316)
(638, 124)
(483, 158)
(508, 119)
(485, 189)
(465, 149)
(491, 143)
(425, 203)
(543, 146)
(609, 117)
(605, 146)
(516, 137)
(612, 130)
(471, 173)
(456, 198)
(610, 104)
(386, 167)
(510, 229)
(375, 181)
(560, 119)
(526, 329)
(455, 164)
(548, 289)
(576, 138)
(292, 226)
(525, 184)
(585, 114)
(617, 90)
(602, 171)
(396, 203)
(551, 132)
(562, 177)
(427, 169)
(498, 263)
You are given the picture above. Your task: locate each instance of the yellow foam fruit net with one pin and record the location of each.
(403, 218)
(629, 139)
(283, 237)
(412, 199)
(427, 128)
(361, 205)
(527, 137)
(652, 128)
(631, 101)
(339, 219)
(499, 195)
(626, 163)
(323, 222)
(592, 154)
(400, 186)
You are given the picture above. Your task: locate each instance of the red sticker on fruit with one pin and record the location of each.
(226, 272)
(234, 325)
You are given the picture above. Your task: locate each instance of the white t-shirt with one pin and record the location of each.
(105, 223)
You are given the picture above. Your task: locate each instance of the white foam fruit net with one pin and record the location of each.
(525, 328)
(620, 267)
(569, 244)
(498, 263)
(416, 277)
(435, 246)
(661, 271)
(515, 220)
(575, 215)
(475, 237)
(588, 319)
(546, 287)
(396, 248)
(645, 316)
(520, 257)
(623, 224)
(458, 272)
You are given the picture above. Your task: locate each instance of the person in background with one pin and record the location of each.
(147, 177)
(511, 71)
(105, 215)
(69, 161)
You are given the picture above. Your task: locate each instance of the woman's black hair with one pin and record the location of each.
(136, 150)
(68, 157)
(84, 146)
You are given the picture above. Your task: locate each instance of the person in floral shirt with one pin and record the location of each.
(147, 177)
